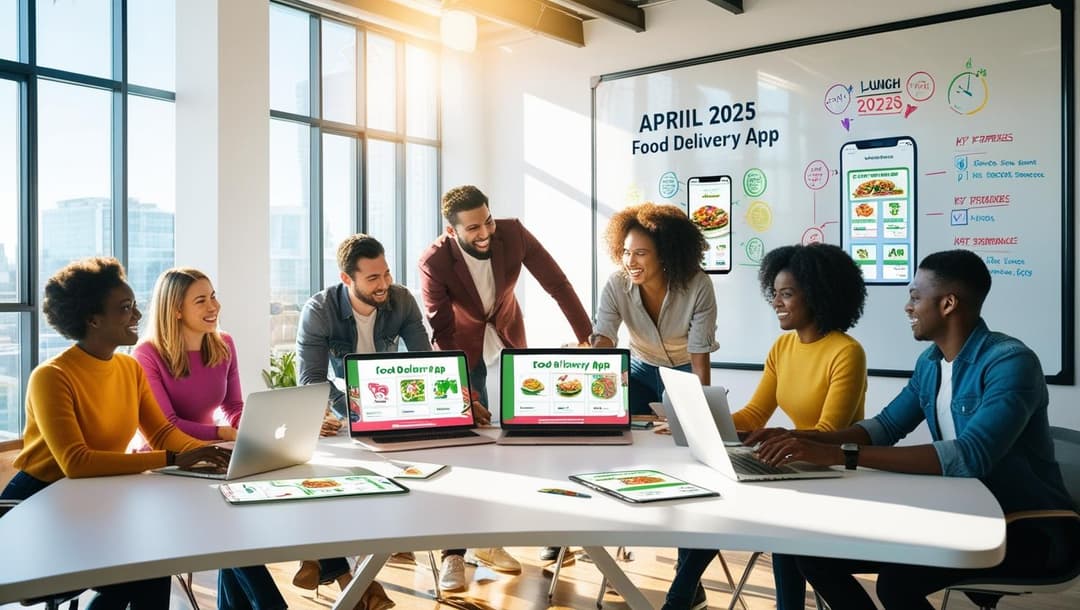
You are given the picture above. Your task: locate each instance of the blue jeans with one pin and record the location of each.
(248, 588)
(478, 381)
(150, 594)
(330, 569)
(691, 564)
(646, 385)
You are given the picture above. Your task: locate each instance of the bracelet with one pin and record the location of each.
(170, 458)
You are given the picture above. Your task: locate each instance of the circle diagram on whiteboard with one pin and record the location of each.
(968, 92)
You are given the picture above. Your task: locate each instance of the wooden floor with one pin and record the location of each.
(411, 586)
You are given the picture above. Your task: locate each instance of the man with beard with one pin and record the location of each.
(367, 312)
(467, 278)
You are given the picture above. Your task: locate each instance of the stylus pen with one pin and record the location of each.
(563, 492)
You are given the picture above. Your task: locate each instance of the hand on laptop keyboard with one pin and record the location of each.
(210, 458)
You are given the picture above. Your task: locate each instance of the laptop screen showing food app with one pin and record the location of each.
(565, 387)
(407, 391)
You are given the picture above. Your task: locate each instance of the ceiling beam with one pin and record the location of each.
(532, 15)
(611, 10)
(390, 15)
(735, 6)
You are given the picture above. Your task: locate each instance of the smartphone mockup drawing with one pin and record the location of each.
(878, 197)
(709, 207)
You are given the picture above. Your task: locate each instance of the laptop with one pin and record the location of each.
(565, 397)
(716, 396)
(401, 401)
(707, 445)
(278, 428)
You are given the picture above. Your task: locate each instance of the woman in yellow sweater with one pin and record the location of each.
(84, 405)
(816, 374)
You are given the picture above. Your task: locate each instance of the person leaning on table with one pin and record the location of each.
(983, 396)
(84, 405)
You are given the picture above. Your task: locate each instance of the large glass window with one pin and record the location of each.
(75, 35)
(10, 180)
(78, 161)
(339, 195)
(339, 72)
(382, 82)
(9, 29)
(290, 60)
(368, 103)
(152, 43)
(151, 194)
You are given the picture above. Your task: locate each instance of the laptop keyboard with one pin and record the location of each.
(556, 433)
(747, 464)
(420, 435)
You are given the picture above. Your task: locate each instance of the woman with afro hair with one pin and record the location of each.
(661, 294)
(815, 374)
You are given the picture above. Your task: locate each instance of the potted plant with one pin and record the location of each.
(282, 372)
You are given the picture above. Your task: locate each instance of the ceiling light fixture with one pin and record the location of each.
(457, 29)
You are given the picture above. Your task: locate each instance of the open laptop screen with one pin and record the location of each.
(407, 390)
(565, 387)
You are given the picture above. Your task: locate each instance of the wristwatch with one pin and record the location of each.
(851, 455)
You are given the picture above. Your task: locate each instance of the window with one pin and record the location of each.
(354, 142)
(85, 190)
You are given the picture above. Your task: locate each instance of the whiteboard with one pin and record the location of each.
(980, 92)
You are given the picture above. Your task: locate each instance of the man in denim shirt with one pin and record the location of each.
(984, 398)
(367, 312)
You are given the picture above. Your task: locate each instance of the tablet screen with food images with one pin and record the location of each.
(641, 485)
(709, 207)
(566, 386)
(310, 488)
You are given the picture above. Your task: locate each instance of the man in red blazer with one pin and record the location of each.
(467, 277)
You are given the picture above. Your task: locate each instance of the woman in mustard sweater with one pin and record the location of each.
(815, 374)
(84, 406)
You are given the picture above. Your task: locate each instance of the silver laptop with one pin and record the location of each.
(716, 396)
(565, 396)
(401, 401)
(278, 428)
(707, 446)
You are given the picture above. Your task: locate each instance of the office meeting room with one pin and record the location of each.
(517, 304)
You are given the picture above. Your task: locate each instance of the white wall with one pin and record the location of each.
(535, 126)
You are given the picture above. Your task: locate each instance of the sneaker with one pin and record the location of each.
(495, 557)
(550, 553)
(452, 574)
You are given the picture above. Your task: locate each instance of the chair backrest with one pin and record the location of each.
(1067, 453)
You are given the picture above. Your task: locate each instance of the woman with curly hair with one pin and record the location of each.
(661, 294)
(84, 405)
(816, 374)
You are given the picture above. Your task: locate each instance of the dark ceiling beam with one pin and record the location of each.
(610, 10)
(532, 15)
(735, 6)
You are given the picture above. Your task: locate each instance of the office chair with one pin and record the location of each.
(987, 592)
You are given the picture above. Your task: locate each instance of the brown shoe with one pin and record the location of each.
(307, 577)
(375, 598)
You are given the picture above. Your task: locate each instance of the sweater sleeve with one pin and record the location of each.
(159, 433)
(846, 389)
(157, 373)
(51, 396)
(233, 404)
(763, 403)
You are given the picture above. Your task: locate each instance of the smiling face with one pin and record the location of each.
(927, 306)
(199, 310)
(473, 230)
(370, 283)
(118, 323)
(639, 258)
(789, 303)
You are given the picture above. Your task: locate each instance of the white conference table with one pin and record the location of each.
(85, 532)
